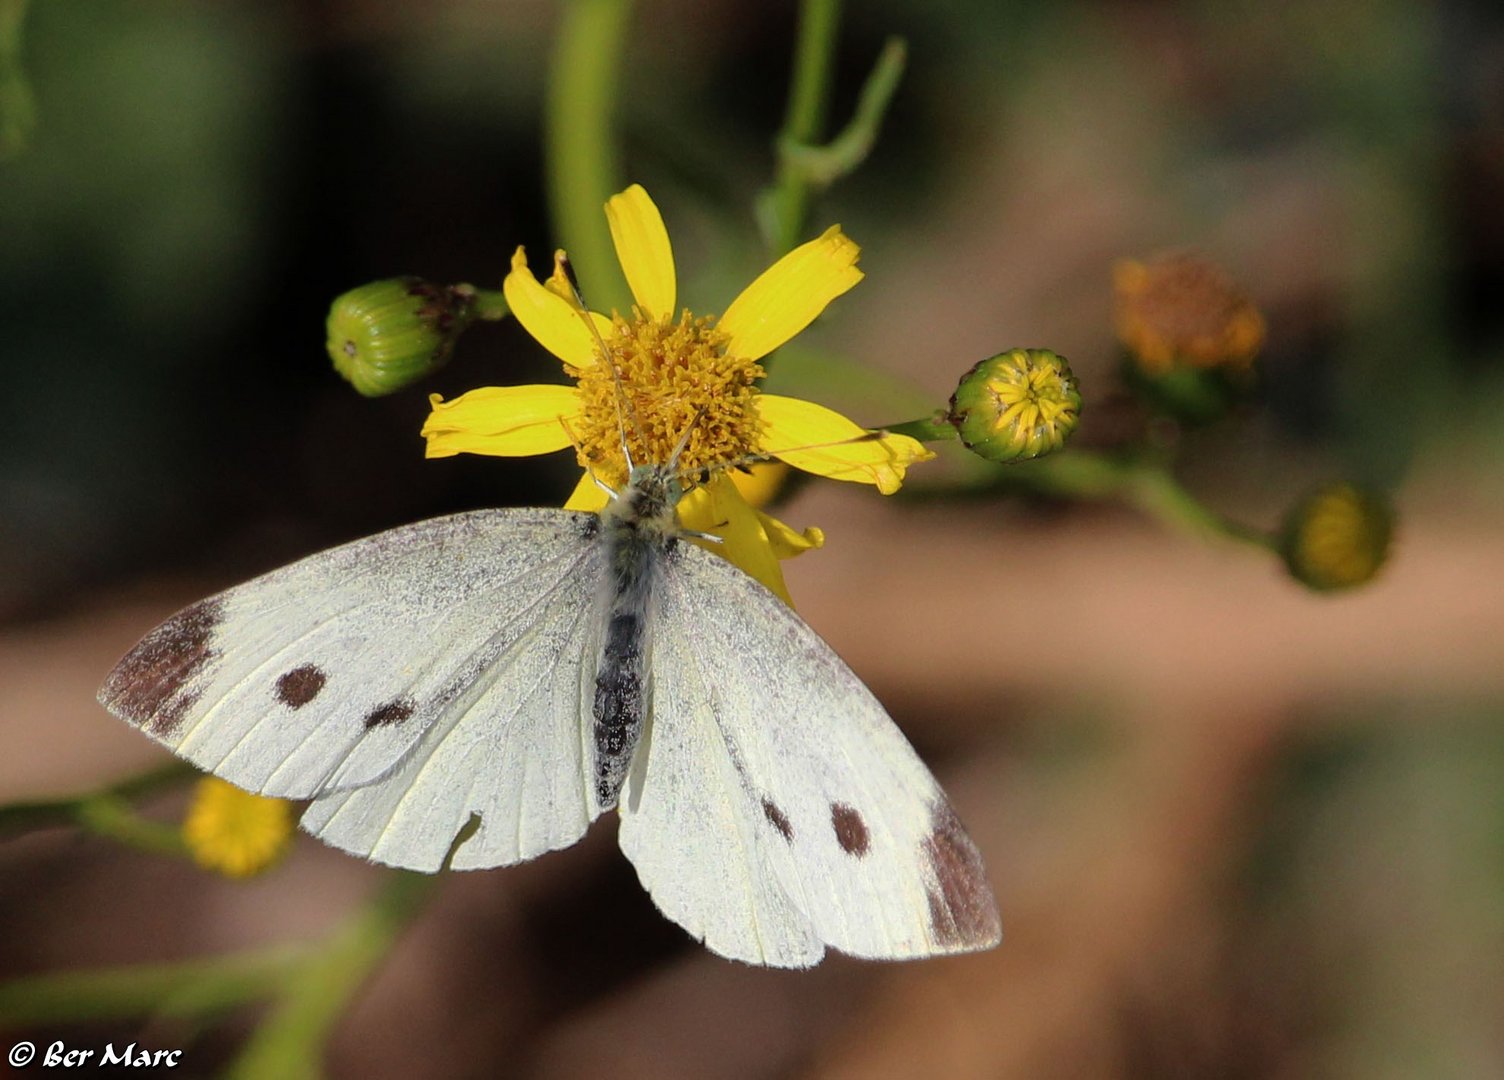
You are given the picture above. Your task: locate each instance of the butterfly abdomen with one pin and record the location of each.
(636, 547)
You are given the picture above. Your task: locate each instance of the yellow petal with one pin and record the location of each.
(790, 294)
(504, 421)
(558, 282)
(643, 249)
(587, 495)
(718, 508)
(550, 318)
(760, 483)
(822, 441)
(787, 543)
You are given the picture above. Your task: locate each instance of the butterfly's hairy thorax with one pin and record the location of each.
(639, 528)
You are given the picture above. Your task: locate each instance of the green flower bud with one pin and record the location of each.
(1016, 405)
(388, 334)
(1194, 396)
(1337, 537)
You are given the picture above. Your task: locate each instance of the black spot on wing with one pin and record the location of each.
(393, 712)
(778, 819)
(301, 685)
(851, 830)
(963, 913)
(152, 686)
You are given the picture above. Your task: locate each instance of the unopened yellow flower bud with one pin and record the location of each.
(234, 832)
(1016, 405)
(388, 334)
(1337, 537)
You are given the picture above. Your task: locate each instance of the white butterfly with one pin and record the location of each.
(539, 667)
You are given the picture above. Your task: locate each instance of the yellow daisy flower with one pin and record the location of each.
(677, 372)
(234, 832)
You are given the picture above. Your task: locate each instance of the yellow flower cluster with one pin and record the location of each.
(235, 833)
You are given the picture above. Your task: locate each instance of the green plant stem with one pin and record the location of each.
(310, 985)
(104, 804)
(1145, 486)
(18, 116)
(490, 304)
(1143, 483)
(580, 150)
(112, 817)
(290, 1042)
(821, 166)
(805, 168)
(814, 51)
(926, 429)
(190, 988)
(785, 206)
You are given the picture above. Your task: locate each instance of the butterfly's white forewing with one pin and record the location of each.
(774, 809)
(323, 675)
(512, 749)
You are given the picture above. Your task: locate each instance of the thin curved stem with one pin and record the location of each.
(189, 988)
(1146, 486)
(581, 164)
(490, 304)
(290, 1042)
(784, 207)
(925, 429)
(805, 166)
(74, 809)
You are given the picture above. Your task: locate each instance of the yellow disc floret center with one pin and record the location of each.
(1028, 398)
(675, 378)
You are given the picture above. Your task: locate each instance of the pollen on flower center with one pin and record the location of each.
(1026, 399)
(675, 377)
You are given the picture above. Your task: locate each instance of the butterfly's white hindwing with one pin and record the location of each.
(774, 809)
(323, 675)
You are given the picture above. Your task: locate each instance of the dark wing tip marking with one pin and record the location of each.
(301, 685)
(963, 913)
(393, 712)
(151, 687)
(778, 819)
(851, 830)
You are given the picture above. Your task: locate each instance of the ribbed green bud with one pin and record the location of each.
(1337, 537)
(1016, 405)
(389, 334)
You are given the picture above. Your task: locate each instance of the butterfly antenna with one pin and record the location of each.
(625, 411)
(683, 443)
(610, 491)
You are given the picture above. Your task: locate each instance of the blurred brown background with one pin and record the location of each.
(1235, 829)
